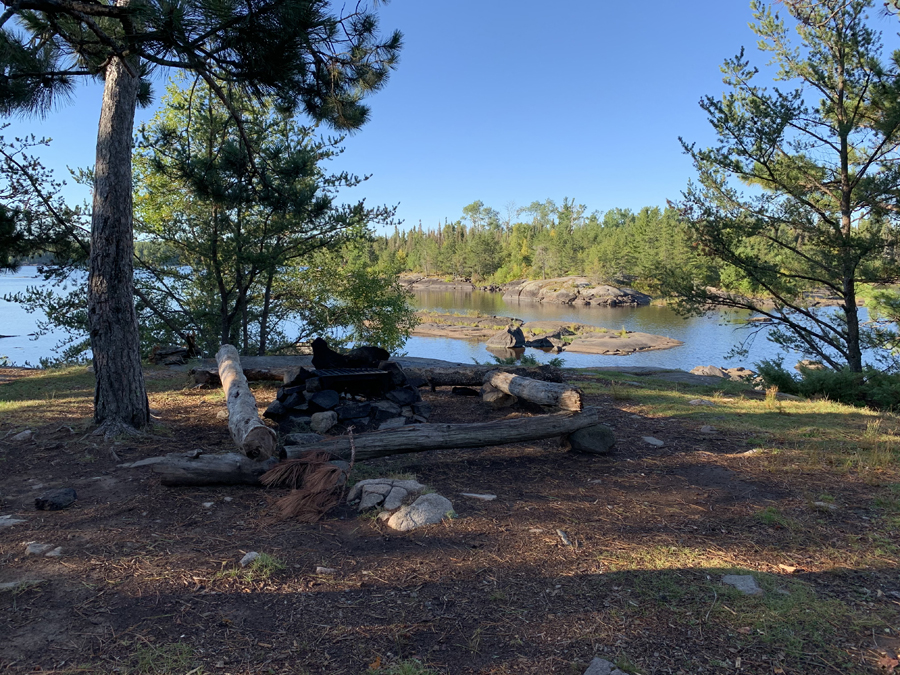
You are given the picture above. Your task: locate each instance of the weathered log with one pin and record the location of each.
(193, 469)
(419, 437)
(563, 396)
(210, 376)
(252, 437)
(473, 376)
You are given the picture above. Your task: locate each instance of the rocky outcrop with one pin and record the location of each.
(739, 374)
(618, 343)
(574, 291)
(417, 282)
(511, 338)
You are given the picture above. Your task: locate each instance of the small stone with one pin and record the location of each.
(227, 499)
(275, 409)
(484, 498)
(388, 483)
(326, 570)
(825, 506)
(9, 521)
(385, 410)
(36, 548)
(373, 495)
(353, 411)
(422, 409)
(54, 500)
(249, 558)
(426, 510)
(208, 505)
(600, 666)
(498, 399)
(393, 423)
(700, 401)
(323, 421)
(19, 585)
(222, 415)
(708, 429)
(394, 499)
(745, 583)
(26, 435)
(655, 442)
(55, 553)
(407, 411)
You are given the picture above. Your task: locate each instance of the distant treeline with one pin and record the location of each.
(547, 240)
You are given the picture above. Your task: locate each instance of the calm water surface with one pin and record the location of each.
(707, 339)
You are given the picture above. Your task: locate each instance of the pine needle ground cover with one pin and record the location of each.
(803, 496)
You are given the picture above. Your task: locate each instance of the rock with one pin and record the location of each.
(275, 409)
(407, 411)
(700, 401)
(426, 510)
(392, 423)
(708, 429)
(385, 410)
(709, 371)
(295, 424)
(600, 666)
(809, 364)
(323, 421)
(324, 400)
(55, 500)
(596, 440)
(474, 495)
(398, 377)
(296, 377)
(326, 570)
(353, 411)
(367, 356)
(55, 553)
(422, 409)
(498, 399)
(26, 435)
(390, 483)
(9, 521)
(208, 505)
(464, 391)
(373, 495)
(540, 343)
(745, 583)
(16, 586)
(394, 499)
(37, 548)
(313, 385)
(222, 415)
(655, 442)
(511, 338)
(249, 558)
(404, 395)
(825, 507)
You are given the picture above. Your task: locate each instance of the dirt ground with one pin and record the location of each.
(148, 580)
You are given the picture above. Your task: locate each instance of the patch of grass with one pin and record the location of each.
(260, 569)
(176, 657)
(772, 517)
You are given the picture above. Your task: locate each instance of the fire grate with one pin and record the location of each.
(354, 380)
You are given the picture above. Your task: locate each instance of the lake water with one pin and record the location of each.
(707, 339)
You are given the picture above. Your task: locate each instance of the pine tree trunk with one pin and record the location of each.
(120, 398)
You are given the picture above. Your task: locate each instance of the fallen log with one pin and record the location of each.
(473, 376)
(251, 436)
(420, 437)
(562, 396)
(210, 376)
(197, 470)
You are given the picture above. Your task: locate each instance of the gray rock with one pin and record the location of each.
(385, 410)
(353, 411)
(826, 507)
(373, 495)
(498, 399)
(510, 338)
(745, 583)
(37, 548)
(249, 558)
(26, 435)
(408, 485)
(222, 415)
(9, 521)
(323, 421)
(655, 442)
(302, 439)
(709, 371)
(426, 510)
(393, 423)
(324, 400)
(602, 667)
(55, 553)
(55, 500)
(407, 411)
(404, 395)
(700, 401)
(275, 409)
(708, 429)
(422, 409)
(474, 495)
(596, 440)
(394, 499)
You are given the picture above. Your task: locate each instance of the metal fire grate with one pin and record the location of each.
(354, 380)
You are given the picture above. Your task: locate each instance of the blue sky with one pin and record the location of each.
(511, 102)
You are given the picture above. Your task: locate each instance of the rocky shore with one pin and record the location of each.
(503, 332)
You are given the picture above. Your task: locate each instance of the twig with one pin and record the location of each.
(715, 599)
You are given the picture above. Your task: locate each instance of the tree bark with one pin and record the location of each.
(473, 376)
(229, 469)
(120, 398)
(543, 393)
(419, 437)
(254, 438)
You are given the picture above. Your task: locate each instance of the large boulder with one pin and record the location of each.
(426, 510)
(510, 338)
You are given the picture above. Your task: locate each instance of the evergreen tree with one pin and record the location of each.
(821, 165)
(295, 51)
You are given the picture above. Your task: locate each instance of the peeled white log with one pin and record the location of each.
(543, 393)
(251, 436)
(419, 437)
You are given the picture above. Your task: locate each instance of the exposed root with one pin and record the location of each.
(112, 429)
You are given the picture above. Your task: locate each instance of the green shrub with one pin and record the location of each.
(773, 374)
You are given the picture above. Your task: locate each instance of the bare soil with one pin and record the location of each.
(139, 587)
